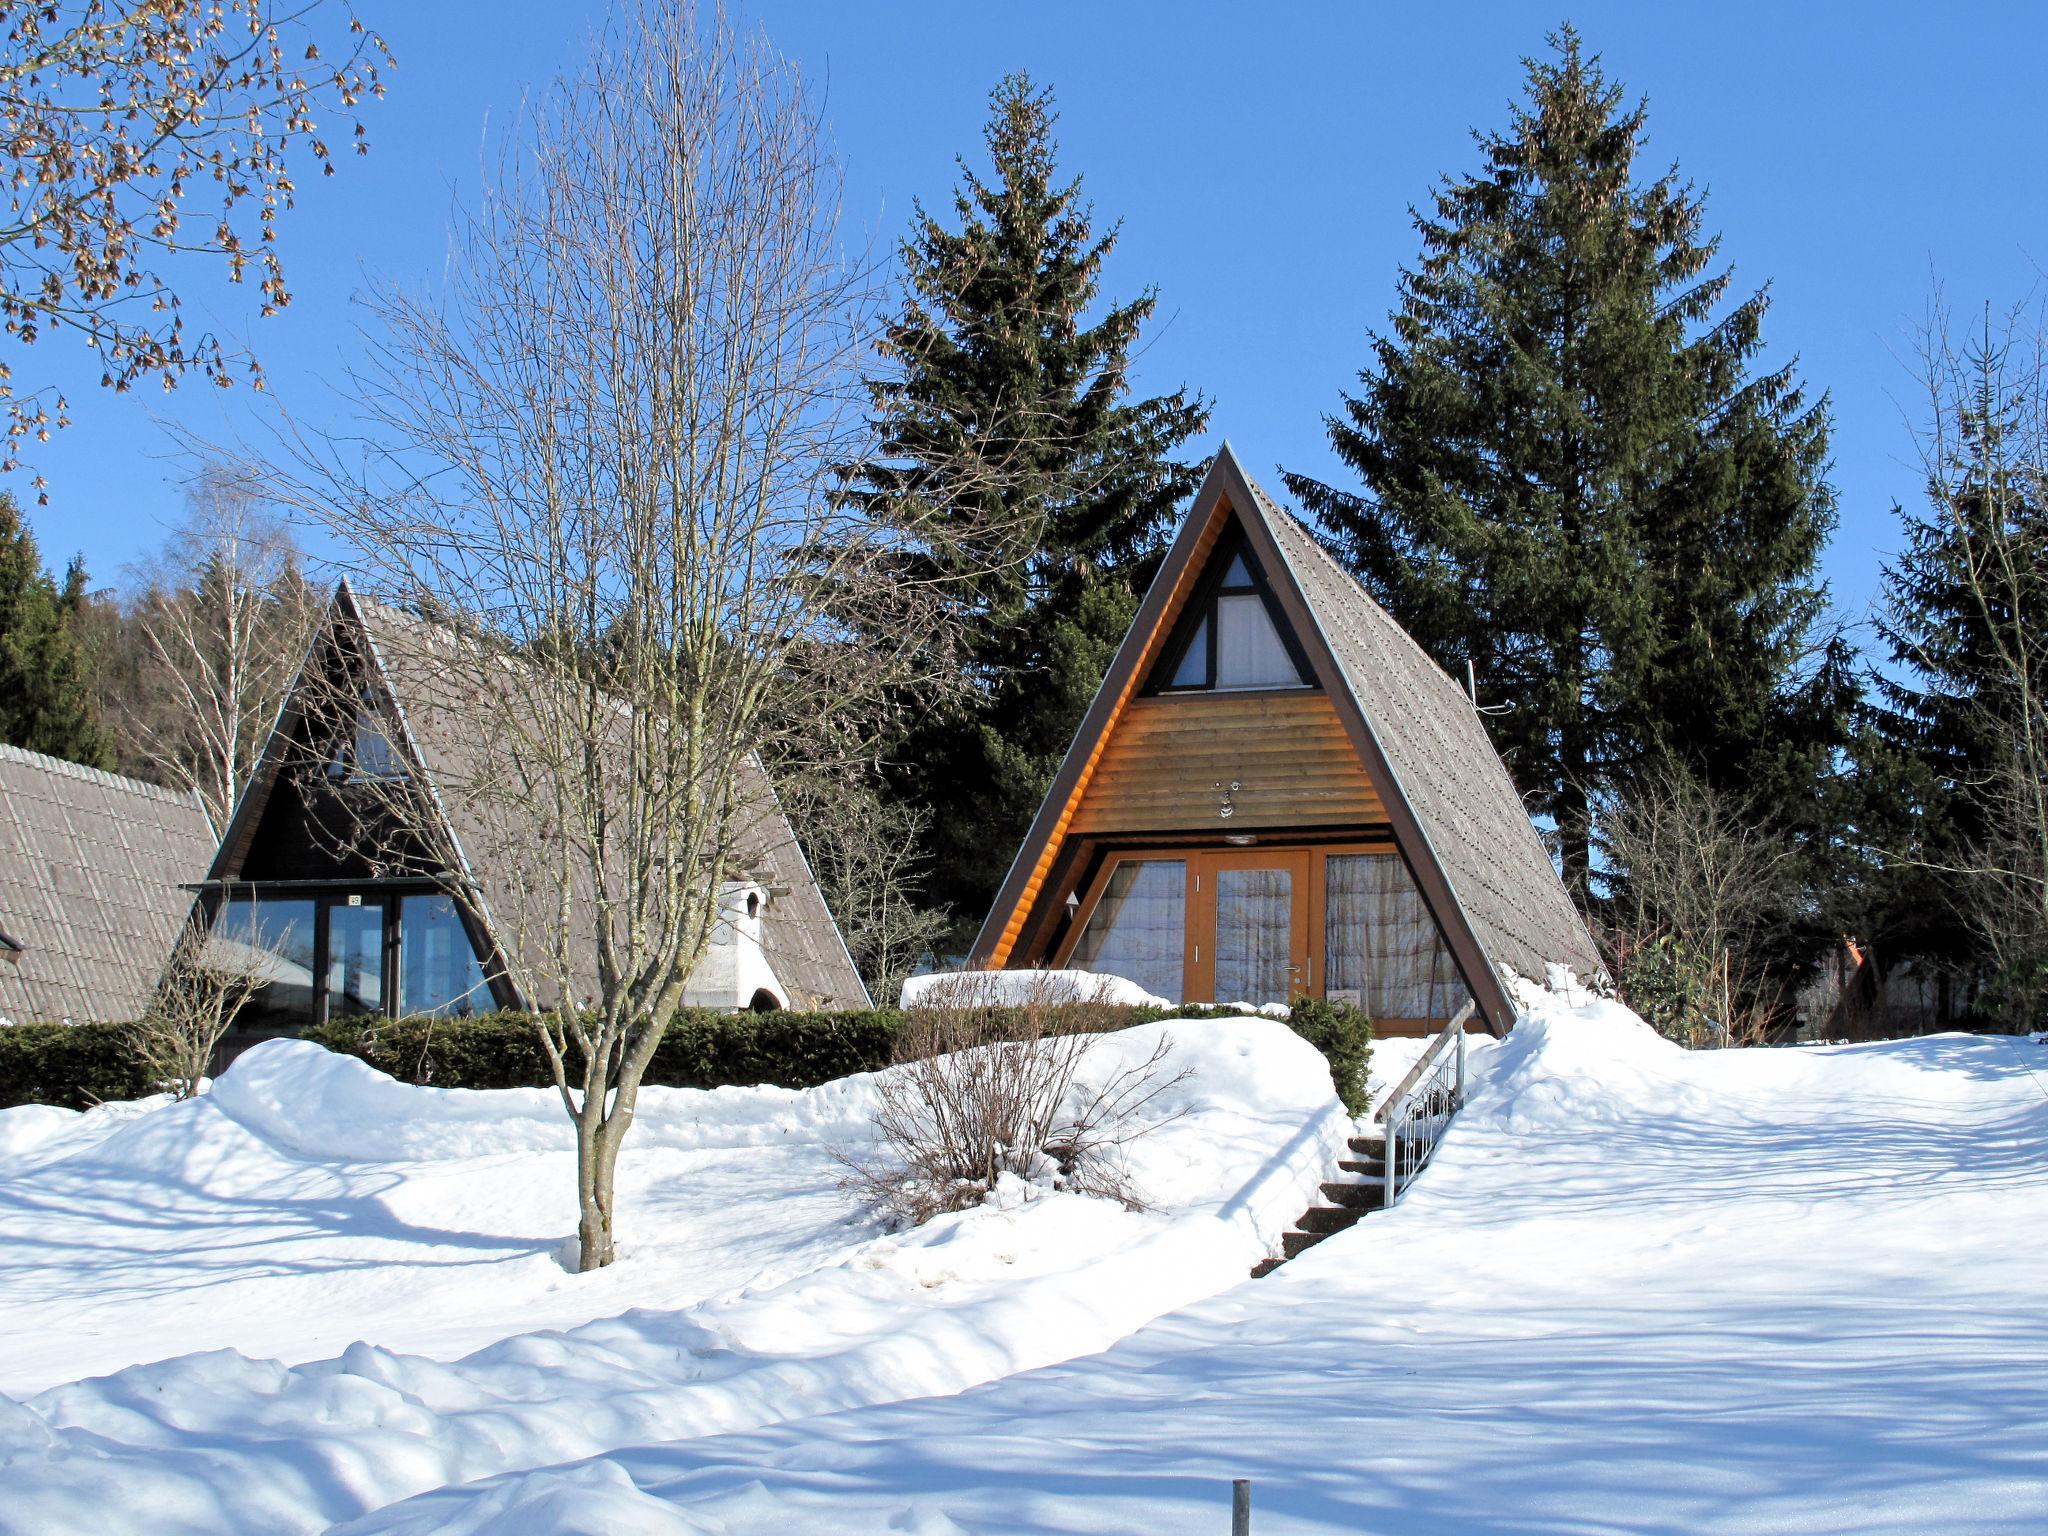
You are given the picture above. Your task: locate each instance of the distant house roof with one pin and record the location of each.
(411, 657)
(1454, 812)
(93, 875)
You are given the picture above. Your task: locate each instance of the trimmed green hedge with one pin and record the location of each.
(702, 1049)
(73, 1065)
(78, 1065)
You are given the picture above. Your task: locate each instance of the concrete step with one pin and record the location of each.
(1294, 1244)
(1357, 1197)
(1265, 1267)
(1329, 1218)
(1369, 1146)
(1365, 1167)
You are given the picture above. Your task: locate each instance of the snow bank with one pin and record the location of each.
(414, 1204)
(1639, 1290)
(999, 989)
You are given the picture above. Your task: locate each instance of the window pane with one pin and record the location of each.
(1380, 941)
(1194, 666)
(1237, 575)
(355, 960)
(1254, 935)
(375, 756)
(1139, 929)
(272, 940)
(437, 968)
(1249, 652)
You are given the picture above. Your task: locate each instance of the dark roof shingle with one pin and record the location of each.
(94, 870)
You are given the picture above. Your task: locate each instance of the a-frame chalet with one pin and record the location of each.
(349, 917)
(1277, 793)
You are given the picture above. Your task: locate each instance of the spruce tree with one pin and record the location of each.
(46, 695)
(1005, 411)
(1959, 724)
(1577, 481)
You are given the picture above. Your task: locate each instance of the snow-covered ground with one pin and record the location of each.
(307, 1203)
(1640, 1290)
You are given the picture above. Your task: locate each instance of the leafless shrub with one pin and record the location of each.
(1697, 881)
(986, 1087)
(203, 991)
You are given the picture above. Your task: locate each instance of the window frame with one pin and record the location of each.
(1200, 616)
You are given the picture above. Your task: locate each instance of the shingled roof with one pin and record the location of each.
(412, 658)
(94, 870)
(1454, 813)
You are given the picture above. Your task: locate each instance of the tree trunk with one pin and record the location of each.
(597, 1157)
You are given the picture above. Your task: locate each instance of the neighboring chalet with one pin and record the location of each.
(95, 883)
(1277, 793)
(354, 914)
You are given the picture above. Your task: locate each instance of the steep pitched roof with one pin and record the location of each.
(93, 870)
(414, 665)
(1455, 814)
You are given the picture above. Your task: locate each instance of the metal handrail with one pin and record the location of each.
(1421, 1105)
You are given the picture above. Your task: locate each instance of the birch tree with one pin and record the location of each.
(216, 634)
(600, 459)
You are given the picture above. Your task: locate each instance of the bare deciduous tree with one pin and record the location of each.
(987, 1086)
(114, 115)
(219, 629)
(601, 462)
(1694, 871)
(203, 991)
(866, 852)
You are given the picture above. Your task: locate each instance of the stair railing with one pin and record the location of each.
(1422, 1103)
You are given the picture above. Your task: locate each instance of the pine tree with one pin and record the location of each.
(1576, 480)
(46, 696)
(1005, 412)
(1960, 720)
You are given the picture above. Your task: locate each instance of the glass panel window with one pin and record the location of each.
(272, 941)
(1254, 935)
(355, 960)
(1249, 651)
(1237, 575)
(1194, 666)
(1138, 929)
(1381, 944)
(437, 967)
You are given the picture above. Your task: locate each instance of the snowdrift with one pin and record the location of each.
(308, 1201)
(1639, 1290)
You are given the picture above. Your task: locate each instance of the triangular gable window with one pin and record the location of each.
(1232, 634)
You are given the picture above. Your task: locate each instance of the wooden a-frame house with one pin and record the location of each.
(1277, 793)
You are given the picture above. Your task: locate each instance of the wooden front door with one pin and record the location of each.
(1249, 934)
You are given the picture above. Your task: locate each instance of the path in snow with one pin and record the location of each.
(1641, 1290)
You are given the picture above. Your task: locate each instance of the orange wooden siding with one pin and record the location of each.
(1166, 754)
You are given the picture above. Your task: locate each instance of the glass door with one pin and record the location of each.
(1254, 938)
(355, 959)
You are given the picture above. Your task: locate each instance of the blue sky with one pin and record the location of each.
(1263, 160)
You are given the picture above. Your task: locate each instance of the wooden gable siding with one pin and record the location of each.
(1166, 755)
(1071, 785)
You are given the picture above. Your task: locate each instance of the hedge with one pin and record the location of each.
(703, 1049)
(78, 1065)
(73, 1065)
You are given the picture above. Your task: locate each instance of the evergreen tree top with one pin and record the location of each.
(1005, 404)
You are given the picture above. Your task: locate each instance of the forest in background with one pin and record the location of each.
(1571, 468)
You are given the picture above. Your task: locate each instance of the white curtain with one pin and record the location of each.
(1380, 941)
(1139, 929)
(1249, 651)
(1254, 935)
